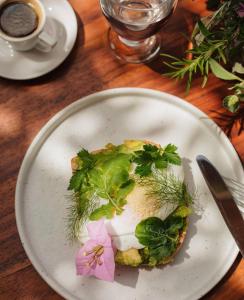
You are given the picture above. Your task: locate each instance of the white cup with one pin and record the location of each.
(38, 39)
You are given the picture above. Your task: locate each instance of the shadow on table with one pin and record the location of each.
(230, 123)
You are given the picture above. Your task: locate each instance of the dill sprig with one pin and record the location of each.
(166, 188)
(79, 209)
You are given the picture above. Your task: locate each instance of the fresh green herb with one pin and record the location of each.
(76, 180)
(166, 188)
(160, 237)
(86, 162)
(217, 40)
(152, 155)
(80, 207)
(108, 180)
(87, 159)
(104, 175)
(170, 155)
(199, 63)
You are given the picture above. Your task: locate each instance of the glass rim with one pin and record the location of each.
(141, 9)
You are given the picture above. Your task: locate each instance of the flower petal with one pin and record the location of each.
(98, 231)
(100, 264)
(105, 271)
(82, 260)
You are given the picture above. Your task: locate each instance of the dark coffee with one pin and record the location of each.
(18, 19)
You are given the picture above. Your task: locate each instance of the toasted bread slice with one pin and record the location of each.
(74, 167)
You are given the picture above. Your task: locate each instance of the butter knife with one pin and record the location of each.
(224, 200)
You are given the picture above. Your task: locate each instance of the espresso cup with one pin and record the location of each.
(38, 39)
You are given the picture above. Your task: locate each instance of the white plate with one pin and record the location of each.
(62, 25)
(112, 116)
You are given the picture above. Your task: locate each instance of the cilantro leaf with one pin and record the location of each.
(161, 238)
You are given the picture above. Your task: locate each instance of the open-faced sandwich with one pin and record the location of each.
(129, 206)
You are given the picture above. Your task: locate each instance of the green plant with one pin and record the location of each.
(217, 41)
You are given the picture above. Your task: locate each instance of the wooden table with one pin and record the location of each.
(26, 106)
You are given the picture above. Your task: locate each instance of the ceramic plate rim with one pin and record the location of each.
(65, 113)
(40, 74)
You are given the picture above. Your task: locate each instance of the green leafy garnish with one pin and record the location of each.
(100, 175)
(86, 162)
(80, 207)
(152, 155)
(76, 180)
(216, 46)
(166, 188)
(170, 155)
(110, 180)
(107, 175)
(160, 237)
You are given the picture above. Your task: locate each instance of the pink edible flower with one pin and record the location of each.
(96, 257)
(240, 10)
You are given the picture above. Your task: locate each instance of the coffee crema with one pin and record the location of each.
(18, 19)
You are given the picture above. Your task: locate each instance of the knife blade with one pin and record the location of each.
(224, 200)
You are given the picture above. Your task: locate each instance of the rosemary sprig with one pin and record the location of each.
(217, 40)
(199, 63)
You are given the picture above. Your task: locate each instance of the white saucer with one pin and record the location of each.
(62, 24)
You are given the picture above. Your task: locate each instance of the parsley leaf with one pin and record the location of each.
(76, 180)
(171, 155)
(87, 159)
(152, 155)
(86, 162)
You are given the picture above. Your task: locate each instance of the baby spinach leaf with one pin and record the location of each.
(124, 190)
(160, 237)
(106, 211)
(110, 181)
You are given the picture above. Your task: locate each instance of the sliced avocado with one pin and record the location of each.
(131, 146)
(182, 211)
(130, 257)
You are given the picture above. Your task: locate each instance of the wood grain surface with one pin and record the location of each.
(26, 106)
